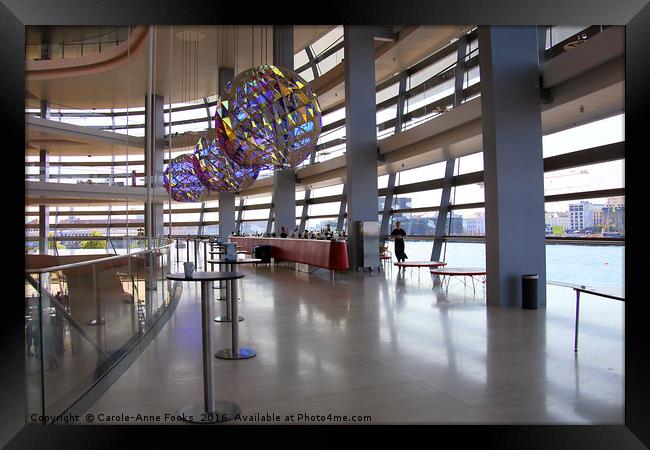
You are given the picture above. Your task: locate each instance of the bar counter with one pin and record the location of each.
(326, 254)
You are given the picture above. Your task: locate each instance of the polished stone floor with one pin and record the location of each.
(387, 346)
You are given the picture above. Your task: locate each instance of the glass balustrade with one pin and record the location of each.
(81, 318)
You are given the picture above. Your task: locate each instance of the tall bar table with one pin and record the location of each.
(210, 410)
(235, 351)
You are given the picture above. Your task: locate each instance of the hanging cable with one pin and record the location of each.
(128, 101)
(169, 150)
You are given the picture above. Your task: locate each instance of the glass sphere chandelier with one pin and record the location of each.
(268, 117)
(181, 181)
(219, 173)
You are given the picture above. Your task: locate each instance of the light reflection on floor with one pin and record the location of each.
(389, 346)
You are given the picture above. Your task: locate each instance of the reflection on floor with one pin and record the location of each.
(387, 346)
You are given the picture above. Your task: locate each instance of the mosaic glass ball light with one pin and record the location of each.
(219, 173)
(268, 117)
(180, 178)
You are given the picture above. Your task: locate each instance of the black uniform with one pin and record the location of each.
(399, 244)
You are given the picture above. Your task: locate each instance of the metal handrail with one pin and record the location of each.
(563, 284)
(587, 290)
(100, 260)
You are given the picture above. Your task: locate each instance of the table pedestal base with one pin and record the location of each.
(242, 353)
(226, 319)
(195, 412)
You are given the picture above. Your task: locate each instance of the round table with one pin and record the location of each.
(420, 264)
(234, 352)
(459, 272)
(210, 410)
(384, 259)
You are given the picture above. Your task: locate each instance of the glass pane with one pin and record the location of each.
(469, 193)
(608, 175)
(325, 208)
(472, 222)
(594, 134)
(258, 226)
(596, 217)
(424, 173)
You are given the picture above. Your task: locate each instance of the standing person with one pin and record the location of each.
(399, 235)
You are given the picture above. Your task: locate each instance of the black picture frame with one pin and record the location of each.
(634, 15)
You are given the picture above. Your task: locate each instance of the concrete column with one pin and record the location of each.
(44, 172)
(513, 164)
(226, 214)
(361, 134)
(153, 169)
(284, 180)
(226, 199)
(283, 46)
(284, 200)
(154, 164)
(240, 215)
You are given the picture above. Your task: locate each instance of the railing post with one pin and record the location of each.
(40, 350)
(575, 342)
(134, 302)
(194, 249)
(205, 255)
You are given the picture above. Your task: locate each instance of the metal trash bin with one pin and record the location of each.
(529, 291)
(262, 252)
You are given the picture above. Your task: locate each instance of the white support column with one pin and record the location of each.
(226, 199)
(284, 180)
(361, 136)
(513, 162)
(44, 172)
